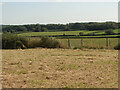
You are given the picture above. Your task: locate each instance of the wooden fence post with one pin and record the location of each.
(107, 43)
(69, 43)
(81, 42)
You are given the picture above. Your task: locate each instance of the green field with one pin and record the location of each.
(103, 32)
(76, 42)
(55, 33)
(63, 32)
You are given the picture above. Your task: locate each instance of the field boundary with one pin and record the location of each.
(66, 37)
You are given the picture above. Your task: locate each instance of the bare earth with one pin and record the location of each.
(60, 68)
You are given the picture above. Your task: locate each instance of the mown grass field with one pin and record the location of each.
(60, 68)
(63, 32)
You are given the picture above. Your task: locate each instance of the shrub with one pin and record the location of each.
(18, 44)
(109, 32)
(13, 41)
(49, 43)
(33, 43)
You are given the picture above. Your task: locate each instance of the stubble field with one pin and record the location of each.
(60, 68)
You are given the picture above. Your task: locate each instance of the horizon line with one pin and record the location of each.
(63, 23)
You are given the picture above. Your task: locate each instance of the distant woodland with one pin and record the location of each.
(91, 26)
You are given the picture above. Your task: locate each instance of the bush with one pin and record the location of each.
(109, 32)
(18, 44)
(49, 43)
(12, 41)
(33, 43)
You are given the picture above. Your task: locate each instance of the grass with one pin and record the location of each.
(60, 68)
(98, 43)
(103, 32)
(55, 33)
(64, 32)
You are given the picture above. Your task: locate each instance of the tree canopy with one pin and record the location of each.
(91, 26)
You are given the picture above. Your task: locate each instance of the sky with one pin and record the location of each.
(57, 11)
(59, 0)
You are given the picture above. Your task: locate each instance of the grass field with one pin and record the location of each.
(55, 33)
(60, 68)
(63, 32)
(103, 32)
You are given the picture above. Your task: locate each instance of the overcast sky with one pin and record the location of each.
(58, 11)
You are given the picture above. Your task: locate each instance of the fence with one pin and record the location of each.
(108, 43)
(89, 42)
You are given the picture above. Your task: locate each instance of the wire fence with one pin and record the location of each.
(93, 43)
(101, 43)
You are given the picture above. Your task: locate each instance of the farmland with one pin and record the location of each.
(64, 32)
(75, 42)
(59, 44)
(60, 68)
(86, 65)
(55, 33)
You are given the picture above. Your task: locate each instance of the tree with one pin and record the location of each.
(44, 29)
(109, 32)
(21, 28)
(37, 28)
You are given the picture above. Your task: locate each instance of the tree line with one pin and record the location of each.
(91, 26)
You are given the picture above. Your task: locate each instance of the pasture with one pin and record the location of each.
(55, 33)
(60, 68)
(99, 43)
(65, 32)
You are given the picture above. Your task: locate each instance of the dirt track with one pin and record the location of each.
(58, 68)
